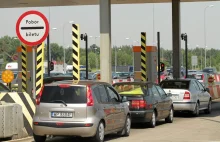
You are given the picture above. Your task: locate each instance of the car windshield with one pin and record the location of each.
(131, 89)
(208, 70)
(175, 84)
(3, 88)
(123, 74)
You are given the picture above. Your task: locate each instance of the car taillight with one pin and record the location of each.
(64, 85)
(138, 104)
(186, 95)
(90, 100)
(39, 96)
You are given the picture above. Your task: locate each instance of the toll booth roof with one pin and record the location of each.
(45, 3)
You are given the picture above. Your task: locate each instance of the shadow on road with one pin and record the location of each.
(146, 126)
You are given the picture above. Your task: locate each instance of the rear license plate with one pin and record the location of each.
(175, 96)
(61, 114)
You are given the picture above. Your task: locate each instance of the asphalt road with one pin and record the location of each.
(185, 128)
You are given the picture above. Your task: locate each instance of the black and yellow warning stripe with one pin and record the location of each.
(76, 49)
(28, 107)
(143, 57)
(39, 68)
(24, 67)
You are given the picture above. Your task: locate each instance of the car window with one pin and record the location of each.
(103, 94)
(71, 94)
(3, 88)
(200, 85)
(161, 91)
(112, 95)
(95, 92)
(149, 90)
(175, 84)
(195, 85)
(155, 92)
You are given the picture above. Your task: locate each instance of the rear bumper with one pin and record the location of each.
(141, 116)
(65, 129)
(184, 106)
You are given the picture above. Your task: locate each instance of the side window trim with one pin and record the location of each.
(161, 95)
(106, 94)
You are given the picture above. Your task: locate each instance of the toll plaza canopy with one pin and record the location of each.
(41, 3)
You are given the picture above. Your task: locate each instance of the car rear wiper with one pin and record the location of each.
(58, 101)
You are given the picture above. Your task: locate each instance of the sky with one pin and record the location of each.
(127, 22)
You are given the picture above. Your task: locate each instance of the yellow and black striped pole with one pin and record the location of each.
(24, 67)
(76, 49)
(39, 68)
(143, 57)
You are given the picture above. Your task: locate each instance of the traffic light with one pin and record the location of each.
(51, 66)
(162, 66)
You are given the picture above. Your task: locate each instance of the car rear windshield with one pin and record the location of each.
(131, 89)
(175, 84)
(71, 94)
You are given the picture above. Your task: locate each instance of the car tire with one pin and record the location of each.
(39, 138)
(100, 133)
(153, 120)
(126, 130)
(196, 111)
(169, 118)
(209, 109)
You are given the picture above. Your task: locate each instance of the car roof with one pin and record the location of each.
(75, 82)
(133, 82)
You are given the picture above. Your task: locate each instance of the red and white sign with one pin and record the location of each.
(32, 28)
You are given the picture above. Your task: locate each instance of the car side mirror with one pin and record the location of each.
(169, 95)
(124, 99)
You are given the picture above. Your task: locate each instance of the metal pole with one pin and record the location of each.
(210, 57)
(64, 59)
(48, 55)
(115, 59)
(186, 56)
(34, 72)
(86, 40)
(158, 46)
(205, 33)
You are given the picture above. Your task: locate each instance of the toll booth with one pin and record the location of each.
(151, 63)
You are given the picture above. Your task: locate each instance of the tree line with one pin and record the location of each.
(122, 55)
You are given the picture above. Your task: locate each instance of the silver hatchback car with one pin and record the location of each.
(85, 109)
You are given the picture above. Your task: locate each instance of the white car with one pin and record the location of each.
(188, 95)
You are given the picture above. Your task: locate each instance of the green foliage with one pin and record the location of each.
(122, 54)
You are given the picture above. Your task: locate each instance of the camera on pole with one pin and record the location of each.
(185, 38)
(51, 66)
(85, 38)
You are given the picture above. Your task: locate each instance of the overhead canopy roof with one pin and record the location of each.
(41, 3)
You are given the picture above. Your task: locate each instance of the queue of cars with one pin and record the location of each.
(90, 108)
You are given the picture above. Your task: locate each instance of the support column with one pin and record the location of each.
(176, 38)
(105, 40)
